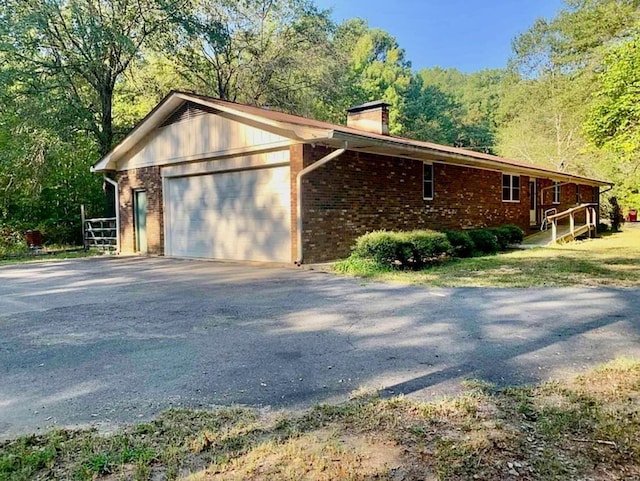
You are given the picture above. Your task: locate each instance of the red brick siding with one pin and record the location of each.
(148, 179)
(358, 193)
(567, 197)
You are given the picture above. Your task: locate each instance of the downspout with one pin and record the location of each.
(117, 206)
(325, 160)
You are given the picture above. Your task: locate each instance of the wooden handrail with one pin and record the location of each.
(568, 212)
(591, 219)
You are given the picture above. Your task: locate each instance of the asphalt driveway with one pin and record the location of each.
(109, 340)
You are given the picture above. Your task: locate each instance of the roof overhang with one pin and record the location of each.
(398, 148)
(175, 100)
(330, 135)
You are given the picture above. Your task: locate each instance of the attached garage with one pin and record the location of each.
(237, 215)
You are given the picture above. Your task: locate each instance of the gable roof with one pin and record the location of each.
(307, 130)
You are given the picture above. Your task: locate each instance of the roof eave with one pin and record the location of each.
(154, 118)
(364, 141)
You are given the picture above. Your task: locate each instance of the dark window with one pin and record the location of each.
(427, 182)
(577, 194)
(556, 192)
(510, 188)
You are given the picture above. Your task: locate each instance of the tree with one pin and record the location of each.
(259, 52)
(44, 176)
(471, 108)
(613, 123)
(82, 46)
(367, 64)
(553, 74)
(431, 114)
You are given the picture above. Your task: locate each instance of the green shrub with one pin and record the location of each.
(516, 234)
(61, 233)
(12, 241)
(502, 236)
(402, 249)
(360, 267)
(428, 246)
(461, 242)
(507, 235)
(484, 240)
(384, 247)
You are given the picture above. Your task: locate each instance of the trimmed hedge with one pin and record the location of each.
(502, 236)
(402, 249)
(419, 248)
(507, 235)
(516, 234)
(463, 245)
(484, 240)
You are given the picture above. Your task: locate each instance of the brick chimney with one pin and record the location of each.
(370, 117)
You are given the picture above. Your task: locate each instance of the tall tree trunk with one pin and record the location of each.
(106, 137)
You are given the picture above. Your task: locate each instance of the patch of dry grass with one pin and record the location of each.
(587, 428)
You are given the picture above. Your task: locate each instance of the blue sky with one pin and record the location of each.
(466, 34)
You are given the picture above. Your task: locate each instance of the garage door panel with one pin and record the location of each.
(239, 215)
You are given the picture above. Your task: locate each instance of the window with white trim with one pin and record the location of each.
(510, 188)
(427, 182)
(556, 192)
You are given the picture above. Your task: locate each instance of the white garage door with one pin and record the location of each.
(237, 215)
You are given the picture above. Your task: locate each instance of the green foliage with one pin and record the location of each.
(454, 108)
(12, 241)
(261, 52)
(507, 235)
(616, 216)
(89, 46)
(402, 249)
(515, 234)
(501, 235)
(461, 242)
(427, 246)
(358, 266)
(613, 123)
(484, 240)
(550, 116)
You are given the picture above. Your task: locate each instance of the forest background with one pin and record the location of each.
(77, 75)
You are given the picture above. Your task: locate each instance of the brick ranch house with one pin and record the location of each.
(205, 178)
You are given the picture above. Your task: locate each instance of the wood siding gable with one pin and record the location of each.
(194, 134)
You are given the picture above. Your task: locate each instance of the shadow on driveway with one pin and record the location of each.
(103, 341)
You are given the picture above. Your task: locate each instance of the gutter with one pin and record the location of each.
(117, 206)
(325, 160)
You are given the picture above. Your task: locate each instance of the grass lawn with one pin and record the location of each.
(44, 256)
(612, 260)
(588, 428)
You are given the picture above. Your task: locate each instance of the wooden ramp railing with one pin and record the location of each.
(590, 226)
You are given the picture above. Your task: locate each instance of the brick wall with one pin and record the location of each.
(567, 197)
(357, 193)
(147, 179)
